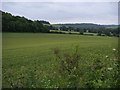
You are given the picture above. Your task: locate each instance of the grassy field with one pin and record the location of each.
(29, 61)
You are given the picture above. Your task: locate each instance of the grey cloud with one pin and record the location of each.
(55, 12)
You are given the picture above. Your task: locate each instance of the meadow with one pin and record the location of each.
(30, 61)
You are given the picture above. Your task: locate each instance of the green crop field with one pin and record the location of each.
(30, 61)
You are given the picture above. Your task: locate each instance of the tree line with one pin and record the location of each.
(101, 30)
(12, 23)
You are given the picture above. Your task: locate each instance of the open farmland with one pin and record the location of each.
(29, 61)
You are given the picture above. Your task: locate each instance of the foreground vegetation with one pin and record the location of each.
(59, 61)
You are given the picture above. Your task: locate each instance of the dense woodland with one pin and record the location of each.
(11, 23)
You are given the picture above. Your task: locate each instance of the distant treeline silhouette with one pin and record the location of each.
(12, 23)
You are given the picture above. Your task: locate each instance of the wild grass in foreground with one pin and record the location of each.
(59, 61)
(97, 74)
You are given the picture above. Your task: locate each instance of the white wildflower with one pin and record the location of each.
(114, 49)
(106, 56)
(109, 68)
(32, 85)
(74, 68)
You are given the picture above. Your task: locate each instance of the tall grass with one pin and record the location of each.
(102, 73)
(68, 66)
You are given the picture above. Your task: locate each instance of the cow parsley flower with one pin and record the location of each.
(74, 68)
(109, 68)
(106, 56)
(113, 49)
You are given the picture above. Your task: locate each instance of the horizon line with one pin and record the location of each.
(83, 23)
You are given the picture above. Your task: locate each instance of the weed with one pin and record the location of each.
(69, 66)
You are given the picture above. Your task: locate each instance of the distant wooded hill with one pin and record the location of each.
(87, 25)
(109, 30)
(11, 23)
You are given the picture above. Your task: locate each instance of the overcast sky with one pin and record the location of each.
(66, 12)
